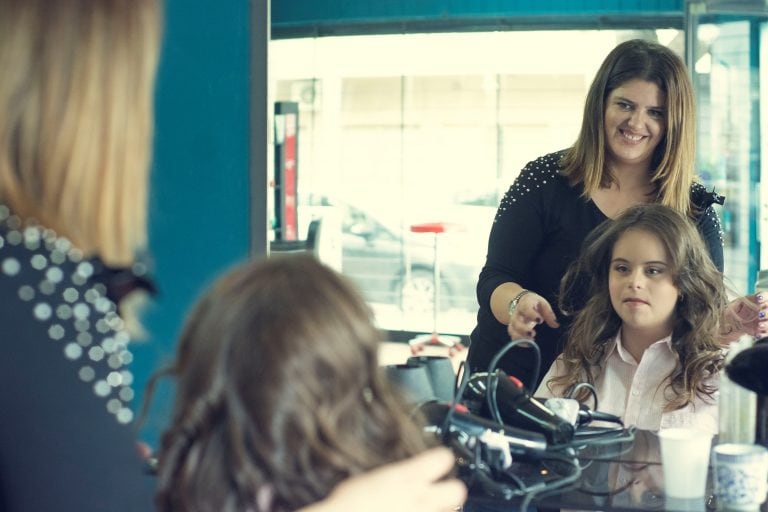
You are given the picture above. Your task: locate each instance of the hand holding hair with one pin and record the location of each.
(746, 315)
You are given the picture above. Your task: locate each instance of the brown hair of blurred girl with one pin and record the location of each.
(279, 393)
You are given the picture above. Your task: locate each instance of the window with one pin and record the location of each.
(397, 130)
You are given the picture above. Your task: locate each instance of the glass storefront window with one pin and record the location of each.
(726, 50)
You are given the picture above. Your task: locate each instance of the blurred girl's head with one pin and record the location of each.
(279, 392)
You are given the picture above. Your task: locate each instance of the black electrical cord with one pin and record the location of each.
(557, 485)
(481, 473)
(491, 380)
(602, 437)
(589, 387)
(513, 343)
(458, 393)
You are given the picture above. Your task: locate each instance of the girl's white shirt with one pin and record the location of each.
(637, 392)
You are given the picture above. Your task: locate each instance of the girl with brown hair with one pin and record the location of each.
(280, 396)
(647, 338)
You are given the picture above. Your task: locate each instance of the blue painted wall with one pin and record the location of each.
(291, 11)
(324, 17)
(199, 211)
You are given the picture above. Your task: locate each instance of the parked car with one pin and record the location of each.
(394, 266)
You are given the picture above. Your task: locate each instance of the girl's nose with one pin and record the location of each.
(636, 279)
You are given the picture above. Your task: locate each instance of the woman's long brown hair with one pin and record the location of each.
(673, 163)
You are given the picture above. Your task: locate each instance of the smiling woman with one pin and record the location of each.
(634, 126)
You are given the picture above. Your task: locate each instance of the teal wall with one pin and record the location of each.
(294, 18)
(199, 201)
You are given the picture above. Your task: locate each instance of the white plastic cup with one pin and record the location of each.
(741, 475)
(685, 460)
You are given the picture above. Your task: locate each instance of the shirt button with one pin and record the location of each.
(635, 392)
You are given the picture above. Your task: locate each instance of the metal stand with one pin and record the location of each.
(418, 343)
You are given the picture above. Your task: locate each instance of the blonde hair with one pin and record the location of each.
(673, 163)
(76, 125)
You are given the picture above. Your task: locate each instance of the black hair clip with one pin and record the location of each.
(703, 198)
(121, 281)
(716, 198)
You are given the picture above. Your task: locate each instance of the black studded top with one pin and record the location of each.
(538, 231)
(66, 440)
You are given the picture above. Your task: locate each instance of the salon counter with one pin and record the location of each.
(623, 476)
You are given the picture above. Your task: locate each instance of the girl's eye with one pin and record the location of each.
(656, 114)
(624, 105)
(620, 268)
(654, 271)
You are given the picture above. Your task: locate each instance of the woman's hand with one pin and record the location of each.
(746, 315)
(411, 485)
(532, 310)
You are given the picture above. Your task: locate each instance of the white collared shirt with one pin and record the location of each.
(636, 391)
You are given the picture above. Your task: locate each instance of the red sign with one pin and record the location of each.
(290, 226)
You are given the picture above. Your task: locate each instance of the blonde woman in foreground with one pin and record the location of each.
(75, 135)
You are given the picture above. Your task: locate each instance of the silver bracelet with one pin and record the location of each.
(514, 302)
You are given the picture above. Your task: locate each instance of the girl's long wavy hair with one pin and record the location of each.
(703, 298)
(673, 162)
(279, 393)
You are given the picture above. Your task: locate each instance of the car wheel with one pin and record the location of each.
(417, 292)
